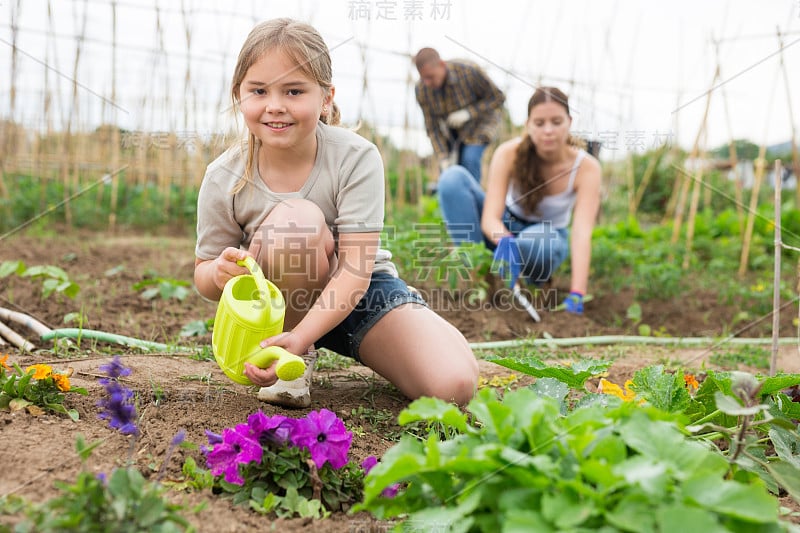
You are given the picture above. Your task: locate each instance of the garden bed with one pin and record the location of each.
(191, 393)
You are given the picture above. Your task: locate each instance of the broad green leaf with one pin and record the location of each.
(730, 406)
(193, 328)
(497, 419)
(651, 475)
(447, 519)
(777, 383)
(662, 441)
(525, 521)
(565, 509)
(11, 267)
(50, 271)
(552, 388)
(634, 512)
(679, 517)
(661, 389)
(433, 410)
(787, 476)
(787, 445)
(751, 503)
(574, 376)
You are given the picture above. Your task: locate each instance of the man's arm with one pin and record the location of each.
(490, 97)
(437, 137)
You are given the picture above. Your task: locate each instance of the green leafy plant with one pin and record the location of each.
(522, 465)
(197, 328)
(154, 285)
(37, 387)
(122, 502)
(54, 279)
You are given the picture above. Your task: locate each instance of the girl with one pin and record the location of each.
(305, 199)
(536, 184)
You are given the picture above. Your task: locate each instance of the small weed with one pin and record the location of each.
(202, 378)
(752, 356)
(328, 360)
(167, 288)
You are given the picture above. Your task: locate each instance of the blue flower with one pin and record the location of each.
(118, 406)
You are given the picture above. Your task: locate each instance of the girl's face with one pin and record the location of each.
(280, 104)
(548, 126)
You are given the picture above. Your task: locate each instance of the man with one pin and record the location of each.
(462, 109)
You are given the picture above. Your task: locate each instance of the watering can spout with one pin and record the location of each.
(250, 310)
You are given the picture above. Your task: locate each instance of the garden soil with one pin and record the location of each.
(183, 392)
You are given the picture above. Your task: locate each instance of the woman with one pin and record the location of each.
(538, 184)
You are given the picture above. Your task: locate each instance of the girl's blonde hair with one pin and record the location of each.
(526, 173)
(303, 44)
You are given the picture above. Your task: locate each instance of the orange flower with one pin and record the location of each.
(62, 382)
(40, 371)
(607, 387)
(3, 363)
(691, 382)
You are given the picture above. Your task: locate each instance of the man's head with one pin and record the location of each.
(432, 70)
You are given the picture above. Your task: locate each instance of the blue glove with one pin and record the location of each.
(507, 260)
(574, 303)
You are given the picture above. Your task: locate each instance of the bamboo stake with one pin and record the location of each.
(776, 277)
(795, 155)
(681, 205)
(751, 210)
(646, 177)
(6, 152)
(696, 186)
(630, 182)
(68, 154)
(115, 137)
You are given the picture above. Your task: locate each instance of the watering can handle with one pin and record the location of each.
(258, 276)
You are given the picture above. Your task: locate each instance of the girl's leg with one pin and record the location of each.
(461, 200)
(295, 248)
(421, 354)
(542, 249)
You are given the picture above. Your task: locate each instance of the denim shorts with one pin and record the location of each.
(385, 292)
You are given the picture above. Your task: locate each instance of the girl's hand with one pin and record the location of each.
(225, 266)
(264, 377)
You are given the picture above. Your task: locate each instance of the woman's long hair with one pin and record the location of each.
(526, 175)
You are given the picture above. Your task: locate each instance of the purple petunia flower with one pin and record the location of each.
(237, 447)
(267, 429)
(368, 464)
(325, 436)
(213, 439)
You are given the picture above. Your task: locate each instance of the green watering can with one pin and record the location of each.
(250, 310)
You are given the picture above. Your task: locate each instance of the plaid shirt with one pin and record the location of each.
(465, 87)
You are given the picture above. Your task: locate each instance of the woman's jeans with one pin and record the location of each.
(542, 247)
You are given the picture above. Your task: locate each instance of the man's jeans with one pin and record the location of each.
(469, 157)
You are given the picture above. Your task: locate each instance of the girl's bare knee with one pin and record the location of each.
(292, 221)
(458, 386)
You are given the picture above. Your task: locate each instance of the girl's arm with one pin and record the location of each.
(584, 214)
(496, 188)
(356, 259)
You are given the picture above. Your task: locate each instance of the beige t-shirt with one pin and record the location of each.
(346, 183)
